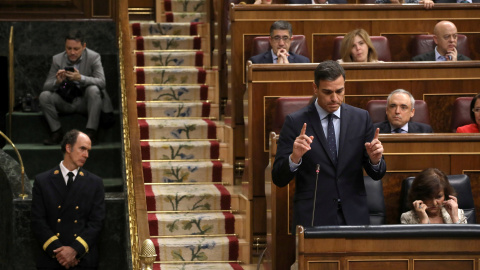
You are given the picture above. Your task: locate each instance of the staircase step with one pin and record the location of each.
(183, 6)
(183, 17)
(162, 43)
(198, 266)
(151, 129)
(113, 184)
(175, 76)
(184, 172)
(191, 224)
(32, 127)
(185, 150)
(168, 28)
(170, 58)
(196, 249)
(176, 93)
(178, 109)
(38, 158)
(187, 197)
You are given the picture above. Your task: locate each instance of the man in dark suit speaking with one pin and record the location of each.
(400, 109)
(324, 146)
(68, 209)
(280, 41)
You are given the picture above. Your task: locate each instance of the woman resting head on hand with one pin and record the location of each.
(432, 200)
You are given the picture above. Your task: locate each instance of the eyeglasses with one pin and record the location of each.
(476, 110)
(278, 38)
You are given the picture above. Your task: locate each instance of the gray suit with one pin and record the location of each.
(94, 100)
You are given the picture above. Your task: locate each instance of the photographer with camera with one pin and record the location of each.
(75, 84)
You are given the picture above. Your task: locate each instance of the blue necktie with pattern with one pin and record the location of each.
(331, 140)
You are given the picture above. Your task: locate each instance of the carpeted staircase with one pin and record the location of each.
(194, 209)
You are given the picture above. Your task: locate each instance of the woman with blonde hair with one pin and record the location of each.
(357, 47)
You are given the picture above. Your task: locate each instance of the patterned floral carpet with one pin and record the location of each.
(187, 166)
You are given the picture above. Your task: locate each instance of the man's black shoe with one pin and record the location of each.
(55, 138)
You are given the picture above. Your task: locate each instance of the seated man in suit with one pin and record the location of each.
(400, 108)
(280, 41)
(75, 84)
(445, 36)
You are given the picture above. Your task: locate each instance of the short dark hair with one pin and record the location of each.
(328, 71)
(472, 105)
(281, 25)
(75, 35)
(69, 138)
(427, 185)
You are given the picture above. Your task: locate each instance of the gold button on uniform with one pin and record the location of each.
(59, 220)
(76, 207)
(75, 221)
(59, 206)
(75, 235)
(58, 234)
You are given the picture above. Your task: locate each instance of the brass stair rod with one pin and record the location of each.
(11, 84)
(22, 195)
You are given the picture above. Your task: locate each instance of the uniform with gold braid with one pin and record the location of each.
(67, 217)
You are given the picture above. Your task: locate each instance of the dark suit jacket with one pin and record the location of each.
(413, 127)
(310, 1)
(266, 58)
(344, 181)
(430, 56)
(67, 218)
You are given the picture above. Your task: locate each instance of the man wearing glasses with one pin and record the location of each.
(400, 109)
(280, 41)
(445, 36)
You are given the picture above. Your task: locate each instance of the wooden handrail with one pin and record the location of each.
(137, 208)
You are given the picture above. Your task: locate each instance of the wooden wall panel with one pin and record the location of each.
(395, 252)
(57, 10)
(378, 264)
(443, 264)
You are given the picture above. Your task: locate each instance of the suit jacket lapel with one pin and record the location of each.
(59, 182)
(344, 120)
(268, 57)
(316, 123)
(291, 58)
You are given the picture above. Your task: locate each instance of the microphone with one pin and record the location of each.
(317, 170)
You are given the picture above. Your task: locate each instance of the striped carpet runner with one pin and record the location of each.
(186, 159)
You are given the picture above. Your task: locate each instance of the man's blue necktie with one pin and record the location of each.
(331, 140)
